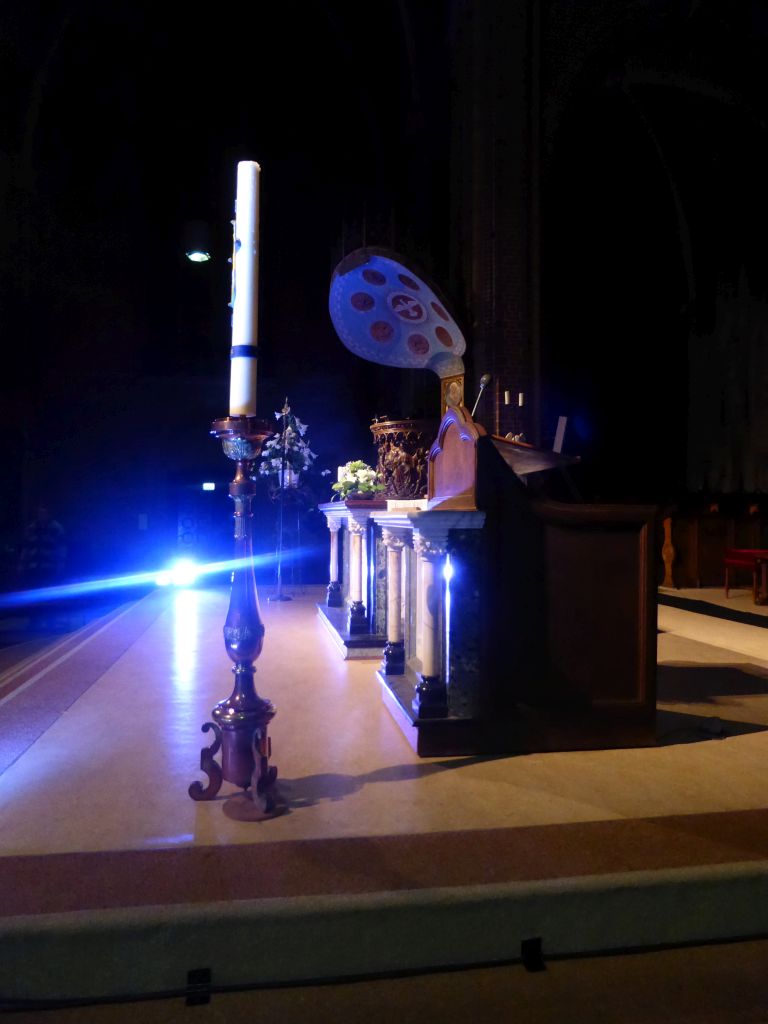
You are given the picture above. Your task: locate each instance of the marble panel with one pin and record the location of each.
(465, 686)
(379, 588)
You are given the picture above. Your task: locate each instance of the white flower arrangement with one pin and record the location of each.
(287, 446)
(357, 478)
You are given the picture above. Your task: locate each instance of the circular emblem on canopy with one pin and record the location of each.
(376, 300)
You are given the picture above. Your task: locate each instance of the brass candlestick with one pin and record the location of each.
(240, 722)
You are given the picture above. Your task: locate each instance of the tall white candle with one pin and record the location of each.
(245, 292)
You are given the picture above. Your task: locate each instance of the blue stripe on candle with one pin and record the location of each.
(244, 352)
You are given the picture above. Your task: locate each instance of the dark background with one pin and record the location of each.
(586, 182)
(125, 122)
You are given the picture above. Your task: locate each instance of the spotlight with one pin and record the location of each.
(182, 573)
(198, 256)
(208, 486)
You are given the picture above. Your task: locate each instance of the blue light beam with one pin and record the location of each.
(64, 591)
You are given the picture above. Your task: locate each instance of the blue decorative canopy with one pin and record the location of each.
(385, 312)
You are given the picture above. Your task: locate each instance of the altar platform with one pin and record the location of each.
(115, 884)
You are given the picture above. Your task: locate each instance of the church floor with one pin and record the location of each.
(384, 861)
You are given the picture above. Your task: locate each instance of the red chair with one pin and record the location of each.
(744, 558)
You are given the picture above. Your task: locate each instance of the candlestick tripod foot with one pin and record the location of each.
(259, 785)
(264, 778)
(210, 766)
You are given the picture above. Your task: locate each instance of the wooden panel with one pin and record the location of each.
(701, 531)
(712, 538)
(600, 610)
(744, 529)
(685, 567)
(453, 462)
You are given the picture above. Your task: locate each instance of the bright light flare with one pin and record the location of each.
(447, 576)
(20, 598)
(186, 614)
(183, 573)
(198, 256)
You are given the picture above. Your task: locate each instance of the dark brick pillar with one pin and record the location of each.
(494, 266)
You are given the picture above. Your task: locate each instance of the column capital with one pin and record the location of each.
(359, 517)
(431, 547)
(356, 527)
(334, 513)
(392, 541)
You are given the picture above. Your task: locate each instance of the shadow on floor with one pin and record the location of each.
(715, 685)
(689, 604)
(697, 683)
(674, 727)
(684, 683)
(308, 791)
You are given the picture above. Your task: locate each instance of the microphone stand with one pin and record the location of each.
(485, 380)
(279, 595)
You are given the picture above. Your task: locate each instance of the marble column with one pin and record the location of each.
(364, 570)
(431, 699)
(335, 598)
(358, 619)
(394, 651)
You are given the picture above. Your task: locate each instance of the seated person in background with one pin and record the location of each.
(43, 551)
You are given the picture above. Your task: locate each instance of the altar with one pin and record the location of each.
(488, 598)
(352, 612)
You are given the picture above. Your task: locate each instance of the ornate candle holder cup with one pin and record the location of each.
(240, 722)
